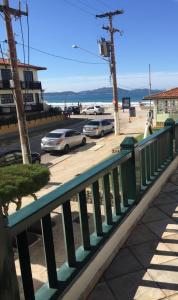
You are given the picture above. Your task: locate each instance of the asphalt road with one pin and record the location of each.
(36, 136)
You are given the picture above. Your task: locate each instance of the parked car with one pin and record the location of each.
(98, 128)
(62, 140)
(93, 110)
(73, 110)
(15, 157)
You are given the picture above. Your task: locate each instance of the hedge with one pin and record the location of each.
(17, 181)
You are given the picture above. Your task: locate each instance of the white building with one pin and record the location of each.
(165, 105)
(31, 87)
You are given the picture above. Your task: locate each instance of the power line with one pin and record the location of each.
(104, 3)
(91, 53)
(88, 5)
(78, 7)
(61, 57)
(2, 16)
(23, 42)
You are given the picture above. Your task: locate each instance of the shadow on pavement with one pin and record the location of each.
(146, 267)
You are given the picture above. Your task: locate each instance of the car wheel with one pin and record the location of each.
(83, 141)
(102, 133)
(66, 149)
(95, 113)
(84, 113)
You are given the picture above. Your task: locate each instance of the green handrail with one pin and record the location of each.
(128, 174)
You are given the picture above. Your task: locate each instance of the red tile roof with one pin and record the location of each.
(170, 94)
(7, 62)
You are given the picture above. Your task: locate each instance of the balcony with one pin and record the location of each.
(121, 188)
(31, 85)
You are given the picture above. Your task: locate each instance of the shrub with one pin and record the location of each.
(17, 181)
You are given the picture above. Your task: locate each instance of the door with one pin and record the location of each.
(109, 126)
(69, 138)
(104, 126)
(90, 110)
(77, 139)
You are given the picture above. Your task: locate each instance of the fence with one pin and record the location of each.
(121, 181)
(33, 116)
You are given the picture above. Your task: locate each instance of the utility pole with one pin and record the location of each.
(23, 132)
(150, 82)
(112, 30)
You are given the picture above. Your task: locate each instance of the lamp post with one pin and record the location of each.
(91, 53)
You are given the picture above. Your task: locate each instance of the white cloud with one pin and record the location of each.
(160, 80)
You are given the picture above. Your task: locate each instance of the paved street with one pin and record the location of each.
(64, 167)
(80, 121)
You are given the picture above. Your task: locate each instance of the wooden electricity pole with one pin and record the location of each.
(150, 82)
(23, 132)
(112, 30)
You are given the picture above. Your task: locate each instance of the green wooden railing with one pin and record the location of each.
(124, 177)
(176, 136)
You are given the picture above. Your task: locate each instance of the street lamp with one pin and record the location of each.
(91, 53)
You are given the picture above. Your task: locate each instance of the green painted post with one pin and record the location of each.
(171, 123)
(148, 164)
(25, 266)
(68, 234)
(115, 191)
(107, 200)
(97, 209)
(8, 280)
(83, 214)
(143, 167)
(49, 250)
(134, 172)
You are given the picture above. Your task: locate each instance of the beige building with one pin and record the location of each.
(31, 87)
(165, 105)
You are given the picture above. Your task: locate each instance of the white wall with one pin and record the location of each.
(35, 75)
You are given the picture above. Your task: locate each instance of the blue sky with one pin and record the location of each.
(150, 36)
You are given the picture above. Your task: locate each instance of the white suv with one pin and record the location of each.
(98, 128)
(93, 110)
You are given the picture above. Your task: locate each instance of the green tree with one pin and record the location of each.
(17, 181)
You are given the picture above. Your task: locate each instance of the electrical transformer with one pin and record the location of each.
(104, 47)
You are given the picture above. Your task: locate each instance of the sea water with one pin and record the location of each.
(56, 100)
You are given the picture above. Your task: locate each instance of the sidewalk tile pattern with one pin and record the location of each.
(146, 267)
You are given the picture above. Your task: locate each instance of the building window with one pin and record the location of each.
(6, 99)
(6, 74)
(28, 98)
(28, 76)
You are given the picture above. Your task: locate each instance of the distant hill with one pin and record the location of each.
(101, 94)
